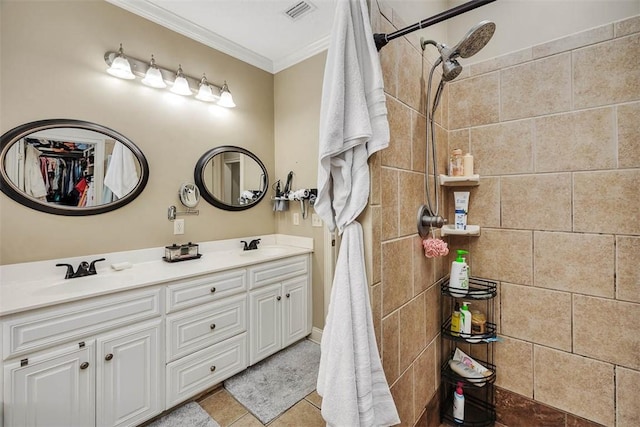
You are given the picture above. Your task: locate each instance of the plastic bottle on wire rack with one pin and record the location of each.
(458, 404)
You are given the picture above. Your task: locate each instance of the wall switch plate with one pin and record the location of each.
(315, 220)
(178, 226)
(296, 218)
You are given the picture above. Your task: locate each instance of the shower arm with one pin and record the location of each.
(381, 40)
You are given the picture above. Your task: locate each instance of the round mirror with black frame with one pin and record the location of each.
(70, 167)
(231, 178)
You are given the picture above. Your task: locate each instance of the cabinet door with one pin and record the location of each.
(265, 320)
(55, 389)
(129, 375)
(295, 310)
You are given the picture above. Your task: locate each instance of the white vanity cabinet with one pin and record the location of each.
(279, 305)
(98, 362)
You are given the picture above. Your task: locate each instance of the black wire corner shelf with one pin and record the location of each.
(488, 336)
(477, 412)
(453, 378)
(479, 289)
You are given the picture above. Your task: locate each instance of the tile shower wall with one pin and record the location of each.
(555, 134)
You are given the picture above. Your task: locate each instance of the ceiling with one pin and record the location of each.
(258, 32)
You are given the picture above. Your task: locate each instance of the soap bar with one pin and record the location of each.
(121, 265)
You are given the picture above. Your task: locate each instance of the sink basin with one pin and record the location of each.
(267, 251)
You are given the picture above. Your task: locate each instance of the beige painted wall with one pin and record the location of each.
(52, 67)
(297, 94)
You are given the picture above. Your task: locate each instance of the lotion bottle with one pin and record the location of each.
(465, 320)
(459, 277)
(456, 327)
(458, 404)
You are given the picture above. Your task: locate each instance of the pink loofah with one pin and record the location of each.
(434, 247)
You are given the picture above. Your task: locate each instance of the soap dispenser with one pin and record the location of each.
(459, 277)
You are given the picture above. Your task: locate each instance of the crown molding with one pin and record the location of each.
(302, 54)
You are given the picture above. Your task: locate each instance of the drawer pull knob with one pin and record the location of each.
(279, 298)
(85, 365)
(212, 326)
(108, 356)
(212, 369)
(288, 295)
(213, 289)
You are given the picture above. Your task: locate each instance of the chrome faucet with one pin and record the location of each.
(251, 245)
(84, 269)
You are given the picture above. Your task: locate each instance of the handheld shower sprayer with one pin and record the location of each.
(475, 39)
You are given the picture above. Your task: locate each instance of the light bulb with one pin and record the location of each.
(204, 93)
(120, 66)
(181, 85)
(226, 100)
(153, 77)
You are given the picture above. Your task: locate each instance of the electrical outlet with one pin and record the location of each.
(315, 220)
(296, 218)
(178, 226)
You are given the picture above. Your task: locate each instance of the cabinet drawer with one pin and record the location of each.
(199, 371)
(205, 289)
(38, 330)
(276, 271)
(199, 327)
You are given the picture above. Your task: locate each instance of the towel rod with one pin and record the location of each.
(382, 39)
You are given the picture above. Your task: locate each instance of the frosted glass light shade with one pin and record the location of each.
(226, 100)
(205, 94)
(153, 77)
(181, 85)
(120, 66)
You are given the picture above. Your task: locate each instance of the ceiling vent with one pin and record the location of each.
(299, 10)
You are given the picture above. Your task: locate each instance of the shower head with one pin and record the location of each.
(475, 39)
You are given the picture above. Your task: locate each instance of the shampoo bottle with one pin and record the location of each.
(458, 404)
(465, 320)
(459, 277)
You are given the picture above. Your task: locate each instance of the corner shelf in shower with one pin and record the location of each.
(450, 230)
(460, 181)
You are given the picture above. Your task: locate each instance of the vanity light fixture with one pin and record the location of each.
(153, 76)
(157, 77)
(120, 66)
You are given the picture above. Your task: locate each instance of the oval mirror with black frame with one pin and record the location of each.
(231, 178)
(70, 167)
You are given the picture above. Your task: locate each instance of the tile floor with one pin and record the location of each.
(228, 412)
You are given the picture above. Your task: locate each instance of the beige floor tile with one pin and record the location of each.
(315, 399)
(223, 408)
(247, 420)
(302, 413)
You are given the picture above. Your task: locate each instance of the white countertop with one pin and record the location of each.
(32, 285)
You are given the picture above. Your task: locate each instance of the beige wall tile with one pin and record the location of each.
(412, 196)
(412, 331)
(629, 135)
(375, 167)
(537, 315)
(581, 39)
(424, 378)
(484, 203)
(410, 83)
(376, 246)
(606, 202)
(459, 139)
(390, 213)
(432, 310)
(612, 68)
(536, 88)
(398, 154)
(419, 141)
(375, 293)
(628, 273)
(389, 61)
(582, 263)
(627, 392)
(402, 392)
(584, 140)
(474, 101)
(627, 26)
(514, 366)
(423, 268)
(504, 61)
(503, 255)
(391, 346)
(502, 149)
(538, 202)
(556, 383)
(397, 275)
(607, 330)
